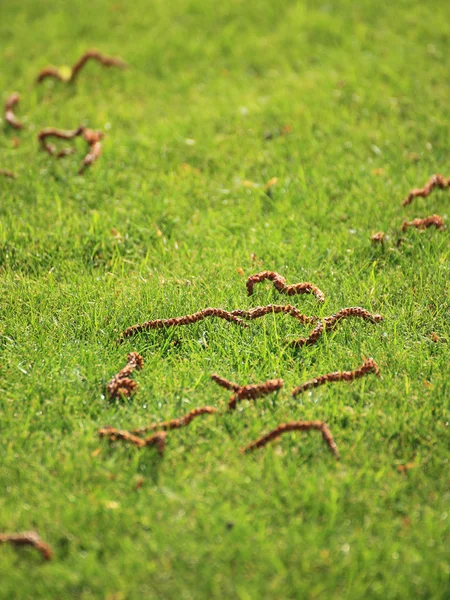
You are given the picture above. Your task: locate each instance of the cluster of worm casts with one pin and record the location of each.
(245, 392)
(435, 181)
(91, 137)
(254, 391)
(157, 439)
(239, 316)
(122, 385)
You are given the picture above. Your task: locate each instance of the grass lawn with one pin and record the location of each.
(165, 224)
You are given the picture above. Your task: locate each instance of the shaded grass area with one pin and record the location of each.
(163, 226)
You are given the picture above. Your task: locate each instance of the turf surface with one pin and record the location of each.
(165, 224)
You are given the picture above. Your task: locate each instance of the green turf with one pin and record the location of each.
(364, 87)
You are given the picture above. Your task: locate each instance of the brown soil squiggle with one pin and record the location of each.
(185, 320)
(433, 221)
(280, 284)
(95, 148)
(7, 173)
(91, 137)
(10, 117)
(225, 383)
(247, 392)
(378, 238)
(434, 181)
(49, 72)
(121, 384)
(369, 366)
(261, 311)
(234, 316)
(60, 134)
(28, 538)
(157, 439)
(330, 323)
(176, 423)
(93, 54)
(296, 426)
(114, 434)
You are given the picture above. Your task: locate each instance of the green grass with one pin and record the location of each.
(364, 87)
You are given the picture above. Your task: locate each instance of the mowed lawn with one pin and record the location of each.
(346, 104)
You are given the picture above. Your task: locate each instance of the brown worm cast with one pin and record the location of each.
(95, 148)
(261, 311)
(10, 117)
(247, 392)
(157, 439)
(279, 283)
(234, 316)
(378, 238)
(28, 538)
(92, 54)
(121, 385)
(433, 221)
(50, 72)
(62, 134)
(176, 423)
(329, 323)
(91, 137)
(368, 366)
(295, 426)
(225, 383)
(184, 320)
(435, 181)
